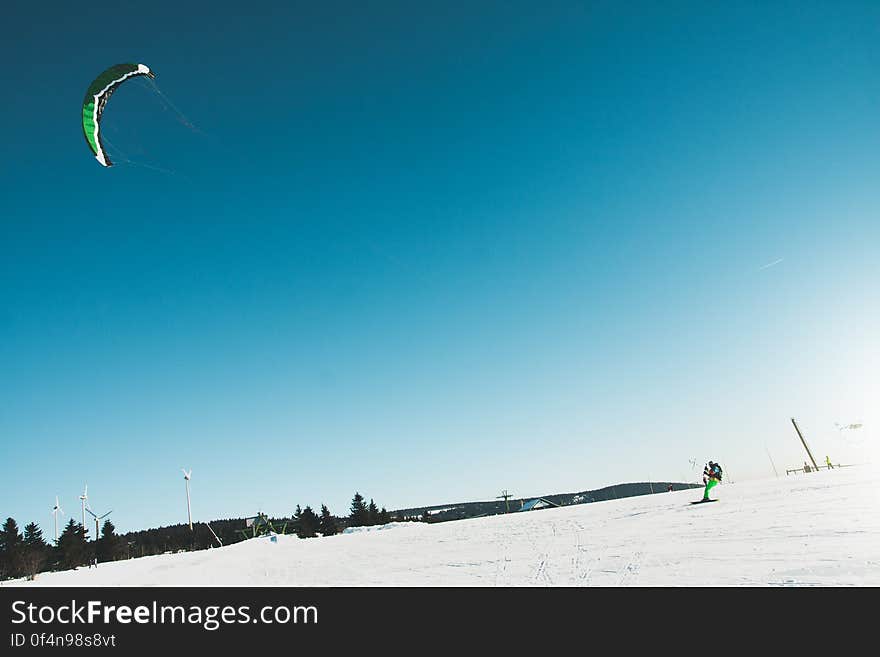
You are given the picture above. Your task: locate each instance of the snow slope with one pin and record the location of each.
(808, 529)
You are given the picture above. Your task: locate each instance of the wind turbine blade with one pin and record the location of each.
(106, 514)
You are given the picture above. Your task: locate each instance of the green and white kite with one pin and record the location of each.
(96, 97)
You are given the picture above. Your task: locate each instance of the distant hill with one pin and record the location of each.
(462, 510)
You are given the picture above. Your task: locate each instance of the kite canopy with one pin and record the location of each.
(96, 97)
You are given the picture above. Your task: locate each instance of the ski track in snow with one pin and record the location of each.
(816, 529)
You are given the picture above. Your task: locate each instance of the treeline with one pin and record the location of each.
(308, 524)
(25, 555)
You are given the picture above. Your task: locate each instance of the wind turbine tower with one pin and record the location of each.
(55, 511)
(186, 476)
(83, 499)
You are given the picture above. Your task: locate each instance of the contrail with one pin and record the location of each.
(770, 264)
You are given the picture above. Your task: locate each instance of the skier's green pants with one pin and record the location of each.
(709, 485)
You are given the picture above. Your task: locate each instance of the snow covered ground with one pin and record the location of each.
(808, 529)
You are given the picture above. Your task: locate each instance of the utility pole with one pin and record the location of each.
(801, 436)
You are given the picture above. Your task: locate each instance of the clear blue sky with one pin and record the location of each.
(431, 250)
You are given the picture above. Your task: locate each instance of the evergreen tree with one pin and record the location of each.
(35, 551)
(384, 517)
(73, 550)
(360, 516)
(10, 549)
(373, 513)
(11, 537)
(33, 536)
(327, 526)
(110, 546)
(297, 520)
(308, 523)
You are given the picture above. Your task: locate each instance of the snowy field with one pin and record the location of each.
(801, 530)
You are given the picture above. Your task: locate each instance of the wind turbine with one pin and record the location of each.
(97, 518)
(55, 511)
(505, 496)
(83, 499)
(186, 476)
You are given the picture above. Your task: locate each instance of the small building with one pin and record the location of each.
(538, 503)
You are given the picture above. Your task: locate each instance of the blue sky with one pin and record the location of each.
(428, 251)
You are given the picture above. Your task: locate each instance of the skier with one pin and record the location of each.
(828, 463)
